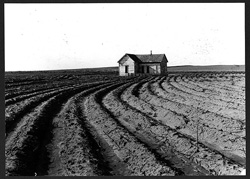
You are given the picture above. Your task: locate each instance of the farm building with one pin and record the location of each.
(131, 64)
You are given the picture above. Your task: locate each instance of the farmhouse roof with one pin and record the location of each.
(150, 58)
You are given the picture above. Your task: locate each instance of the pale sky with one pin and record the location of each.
(72, 36)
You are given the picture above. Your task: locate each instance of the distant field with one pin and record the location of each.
(84, 71)
(207, 68)
(186, 68)
(114, 70)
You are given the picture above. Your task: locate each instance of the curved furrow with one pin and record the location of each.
(201, 87)
(14, 113)
(235, 76)
(169, 125)
(233, 113)
(26, 84)
(40, 83)
(239, 90)
(198, 91)
(139, 85)
(209, 86)
(226, 85)
(168, 85)
(15, 84)
(33, 91)
(30, 95)
(180, 120)
(26, 148)
(144, 128)
(173, 119)
(179, 95)
(170, 93)
(126, 155)
(237, 84)
(232, 146)
(73, 150)
(83, 124)
(56, 84)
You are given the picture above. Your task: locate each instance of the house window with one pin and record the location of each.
(126, 69)
(147, 69)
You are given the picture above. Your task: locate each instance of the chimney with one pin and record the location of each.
(150, 52)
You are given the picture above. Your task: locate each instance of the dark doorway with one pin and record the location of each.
(142, 69)
(147, 69)
(126, 69)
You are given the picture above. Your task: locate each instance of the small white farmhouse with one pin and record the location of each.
(131, 64)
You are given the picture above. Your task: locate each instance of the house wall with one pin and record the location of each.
(135, 68)
(154, 68)
(158, 69)
(131, 66)
(164, 66)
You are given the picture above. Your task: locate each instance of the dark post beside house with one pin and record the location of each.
(131, 64)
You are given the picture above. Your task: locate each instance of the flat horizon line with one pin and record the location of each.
(89, 68)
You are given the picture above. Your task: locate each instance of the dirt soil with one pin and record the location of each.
(81, 124)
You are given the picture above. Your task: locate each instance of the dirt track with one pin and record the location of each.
(142, 126)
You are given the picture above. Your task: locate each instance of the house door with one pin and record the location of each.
(147, 69)
(142, 69)
(126, 69)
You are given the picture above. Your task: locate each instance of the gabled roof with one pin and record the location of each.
(151, 58)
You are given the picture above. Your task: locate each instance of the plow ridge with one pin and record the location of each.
(31, 134)
(221, 141)
(161, 149)
(127, 154)
(219, 94)
(93, 125)
(201, 105)
(225, 107)
(15, 112)
(174, 159)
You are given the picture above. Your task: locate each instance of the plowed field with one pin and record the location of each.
(95, 125)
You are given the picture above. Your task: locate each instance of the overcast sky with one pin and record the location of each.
(69, 36)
